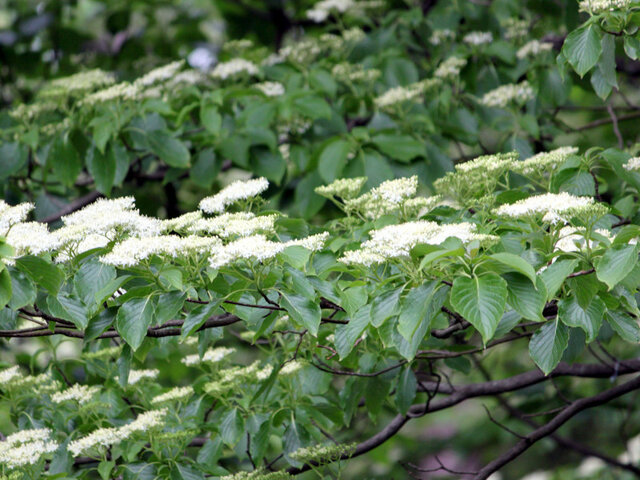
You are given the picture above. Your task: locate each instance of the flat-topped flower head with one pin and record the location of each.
(477, 38)
(321, 454)
(396, 191)
(213, 355)
(160, 74)
(572, 239)
(254, 247)
(76, 393)
(97, 440)
(181, 223)
(149, 420)
(26, 447)
(123, 91)
(173, 395)
(290, 368)
(314, 243)
(595, 7)
(505, 95)
(552, 207)
(136, 376)
(31, 238)
(633, 164)
(450, 68)
(9, 375)
(236, 191)
(533, 49)
(322, 9)
(363, 258)
(398, 95)
(544, 161)
(234, 67)
(239, 224)
(270, 89)
(10, 215)
(344, 188)
(76, 84)
(441, 36)
(488, 163)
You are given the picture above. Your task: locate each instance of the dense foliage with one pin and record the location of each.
(362, 215)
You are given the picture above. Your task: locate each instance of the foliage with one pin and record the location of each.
(379, 220)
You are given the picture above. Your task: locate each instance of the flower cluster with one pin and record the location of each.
(595, 7)
(543, 162)
(450, 68)
(533, 49)
(213, 355)
(270, 89)
(344, 188)
(408, 93)
(349, 72)
(26, 447)
(441, 36)
(236, 191)
(572, 239)
(239, 224)
(78, 83)
(514, 28)
(10, 215)
(76, 393)
(633, 164)
(477, 38)
(159, 75)
(137, 375)
(259, 474)
(100, 439)
(505, 95)
(322, 454)
(175, 394)
(230, 378)
(233, 68)
(552, 207)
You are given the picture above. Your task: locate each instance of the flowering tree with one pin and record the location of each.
(274, 266)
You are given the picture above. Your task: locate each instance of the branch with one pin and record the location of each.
(77, 204)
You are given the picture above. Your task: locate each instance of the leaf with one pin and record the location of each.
(312, 107)
(134, 318)
(170, 150)
(481, 301)
(64, 160)
(69, 309)
(231, 428)
(353, 298)
(582, 48)
(414, 309)
(555, 274)
(102, 167)
(210, 118)
(616, 263)
(517, 263)
(399, 147)
(548, 344)
(333, 159)
(91, 278)
(205, 169)
(41, 272)
(624, 325)
(188, 473)
(302, 310)
(384, 306)
(346, 335)
(588, 318)
(524, 298)
(198, 316)
(5, 287)
(13, 156)
(269, 164)
(22, 291)
(406, 390)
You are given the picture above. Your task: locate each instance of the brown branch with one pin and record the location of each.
(616, 128)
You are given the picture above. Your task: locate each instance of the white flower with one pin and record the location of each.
(544, 161)
(590, 466)
(136, 375)
(160, 74)
(26, 447)
(553, 207)
(230, 224)
(234, 192)
(478, 38)
(600, 6)
(365, 258)
(572, 239)
(10, 215)
(537, 476)
(533, 49)
(397, 95)
(344, 188)
(488, 163)
(234, 67)
(291, 367)
(103, 437)
(77, 83)
(177, 393)
(144, 422)
(9, 375)
(182, 222)
(440, 36)
(120, 91)
(255, 247)
(632, 164)
(31, 238)
(322, 9)
(213, 355)
(78, 393)
(511, 93)
(450, 68)
(396, 191)
(270, 89)
(314, 243)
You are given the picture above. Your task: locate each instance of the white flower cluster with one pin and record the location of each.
(450, 68)
(270, 89)
(119, 91)
(236, 191)
(478, 38)
(515, 28)
(441, 36)
(231, 377)
(13, 379)
(133, 250)
(175, 394)
(234, 67)
(504, 95)
(26, 447)
(77, 83)
(106, 437)
(321, 10)
(349, 72)
(533, 49)
(159, 75)
(601, 6)
(632, 164)
(258, 248)
(239, 224)
(345, 188)
(552, 207)
(544, 161)
(136, 375)
(573, 239)
(291, 367)
(213, 355)
(9, 375)
(10, 215)
(396, 241)
(76, 393)
(412, 92)
(259, 474)
(396, 191)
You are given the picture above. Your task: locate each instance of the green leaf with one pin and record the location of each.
(134, 318)
(555, 274)
(269, 164)
(185, 472)
(91, 278)
(406, 390)
(170, 150)
(205, 169)
(13, 156)
(624, 325)
(312, 107)
(231, 427)
(480, 300)
(616, 263)
(385, 306)
(333, 159)
(583, 48)
(102, 167)
(548, 344)
(588, 318)
(346, 335)
(198, 316)
(399, 147)
(64, 160)
(414, 310)
(22, 291)
(524, 298)
(302, 310)
(516, 263)
(5, 287)
(41, 272)
(69, 309)
(353, 298)
(210, 118)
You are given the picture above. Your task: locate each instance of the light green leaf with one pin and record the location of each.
(616, 263)
(169, 149)
(555, 274)
(524, 298)
(333, 159)
(624, 325)
(41, 272)
(302, 310)
(5, 287)
(134, 318)
(548, 344)
(582, 48)
(516, 263)
(69, 309)
(346, 335)
(588, 318)
(414, 309)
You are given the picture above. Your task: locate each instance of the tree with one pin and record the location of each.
(276, 265)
